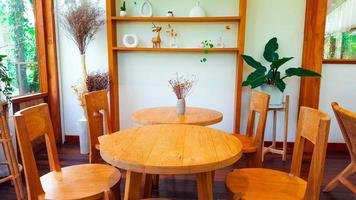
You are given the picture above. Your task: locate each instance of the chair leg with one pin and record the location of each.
(155, 182)
(115, 191)
(342, 178)
(254, 160)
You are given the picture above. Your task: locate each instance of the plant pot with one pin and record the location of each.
(122, 13)
(83, 135)
(276, 96)
(180, 106)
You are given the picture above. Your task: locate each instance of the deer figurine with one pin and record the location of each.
(156, 41)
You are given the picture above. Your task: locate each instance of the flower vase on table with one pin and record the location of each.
(180, 106)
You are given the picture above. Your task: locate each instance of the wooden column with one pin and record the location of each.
(315, 18)
(239, 63)
(113, 65)
(47, 60)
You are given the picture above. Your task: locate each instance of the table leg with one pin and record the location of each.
(148, 183)
(133, 186)
(205, 186)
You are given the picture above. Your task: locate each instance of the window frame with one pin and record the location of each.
(336, 61)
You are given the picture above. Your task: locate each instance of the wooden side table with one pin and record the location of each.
(272, 148)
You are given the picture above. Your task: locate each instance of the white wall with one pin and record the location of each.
(144, 76)
(338, 84)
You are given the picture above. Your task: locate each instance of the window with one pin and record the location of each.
(18, 42)
(340, 31)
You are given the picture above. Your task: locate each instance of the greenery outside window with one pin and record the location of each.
(340, 33)
(18, 42)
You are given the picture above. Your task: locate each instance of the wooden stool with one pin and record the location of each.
(272, 148)
(10, 156)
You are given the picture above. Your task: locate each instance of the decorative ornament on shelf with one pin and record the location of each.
(156, 41)
(130, 40)
(197, 11)
(271, 80)
(172, 36)
(170, 14)
(182, 87)
(123, 9)
(206, 44)
(5, 86)
(145, 9)
(81, 22)
(220, 43)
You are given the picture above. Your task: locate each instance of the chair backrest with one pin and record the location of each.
(31, 124)
(259, 104)
(347, 123)
(97, 110)
(313, 126)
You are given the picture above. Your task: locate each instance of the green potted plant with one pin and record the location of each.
(123, 9)
(5, 86)
(270, 79)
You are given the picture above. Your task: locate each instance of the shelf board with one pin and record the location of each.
(148, 49)
(177, 19)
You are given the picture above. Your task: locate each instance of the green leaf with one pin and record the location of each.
(280, 84)
(2, 57)
(258, 82)
(301, 72)
(252, 62)
(270, 50)
(276, 64)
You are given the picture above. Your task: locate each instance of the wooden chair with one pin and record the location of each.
(268, 184)
(347, 123)
(13, 166)
(253, 143)
(87, 181)
(97, 109)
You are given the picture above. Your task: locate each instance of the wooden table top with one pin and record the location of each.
(170, 149)
(168, 115)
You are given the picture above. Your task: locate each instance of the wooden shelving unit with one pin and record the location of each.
(201, 50)
(113, 50)
(177, 19)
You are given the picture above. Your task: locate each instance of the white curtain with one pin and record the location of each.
(343, 18)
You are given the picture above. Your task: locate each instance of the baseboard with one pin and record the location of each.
(332, 147)
(71, 139)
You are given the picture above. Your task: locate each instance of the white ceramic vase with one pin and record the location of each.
(83, 135)
(180, 106)
(122, 13)
(276, 96)
(197, 11)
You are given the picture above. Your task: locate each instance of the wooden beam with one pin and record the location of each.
(239, 63)
(52, 68)
(315, 18)
(113, 65)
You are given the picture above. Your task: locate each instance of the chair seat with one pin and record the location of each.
(266, 184)
(248, 143)
(80, 181)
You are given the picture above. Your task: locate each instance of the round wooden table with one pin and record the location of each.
(168, 115)
(170, 149)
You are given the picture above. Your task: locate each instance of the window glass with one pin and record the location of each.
(18, 42)
(340, 32)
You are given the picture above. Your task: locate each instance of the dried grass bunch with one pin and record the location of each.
(81, 22)
(182, 86)
(98, 81)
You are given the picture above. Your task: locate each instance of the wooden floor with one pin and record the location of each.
(184, 187)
